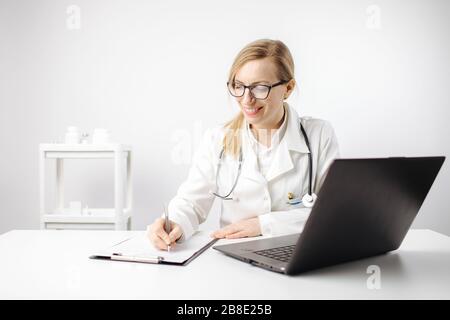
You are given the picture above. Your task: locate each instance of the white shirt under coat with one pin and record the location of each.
(256, 195)
(264, 154)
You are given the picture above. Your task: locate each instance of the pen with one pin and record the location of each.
(166, 224)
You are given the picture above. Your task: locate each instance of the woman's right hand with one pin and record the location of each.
(159, 237)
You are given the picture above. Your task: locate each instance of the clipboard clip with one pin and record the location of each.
(121, 257)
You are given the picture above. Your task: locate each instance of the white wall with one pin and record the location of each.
(154, 71)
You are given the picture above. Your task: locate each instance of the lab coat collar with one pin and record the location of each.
(276, 138)
(250, 167)
(292, 141)
(282, 161)
(293, 137)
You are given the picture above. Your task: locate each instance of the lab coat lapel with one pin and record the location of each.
(281, 162)
(250, 169)
(292, 140)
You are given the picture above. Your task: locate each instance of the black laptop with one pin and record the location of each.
(364, 208)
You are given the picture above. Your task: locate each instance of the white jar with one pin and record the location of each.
(72, 135)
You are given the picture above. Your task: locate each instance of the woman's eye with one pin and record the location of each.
(260, 89)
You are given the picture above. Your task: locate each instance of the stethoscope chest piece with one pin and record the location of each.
(309, 199)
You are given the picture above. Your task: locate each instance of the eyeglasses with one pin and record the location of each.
(260, 91)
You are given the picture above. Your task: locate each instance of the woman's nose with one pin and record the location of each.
(247, 97)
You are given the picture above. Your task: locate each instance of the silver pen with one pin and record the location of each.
(166, 224)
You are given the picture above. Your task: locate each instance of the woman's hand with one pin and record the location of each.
(159, 237)
(241, 229)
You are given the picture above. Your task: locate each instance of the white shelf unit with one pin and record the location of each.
(117, 218)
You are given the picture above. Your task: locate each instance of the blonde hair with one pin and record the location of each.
(259, 49)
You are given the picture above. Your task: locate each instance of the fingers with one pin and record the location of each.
(228, 230)
(156, 241)
(159, 243)
(244, 228)
(240, 234)
(163, 235)
(157, 235)
(175, 234)
(221, 233)
(218, 234)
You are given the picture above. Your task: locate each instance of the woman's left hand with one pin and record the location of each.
(241, 229)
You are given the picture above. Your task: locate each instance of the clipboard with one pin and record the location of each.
(139, 249)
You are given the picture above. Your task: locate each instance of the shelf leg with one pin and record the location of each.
(129, 187)
(118, 187)
(42, 188)
(60, 184)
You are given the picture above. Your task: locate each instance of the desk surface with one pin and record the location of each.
(52, 264)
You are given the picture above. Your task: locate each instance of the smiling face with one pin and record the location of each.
(268, 113)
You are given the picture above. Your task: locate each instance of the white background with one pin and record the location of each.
(154, 73)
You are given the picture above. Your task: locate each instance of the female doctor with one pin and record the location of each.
(265, 165)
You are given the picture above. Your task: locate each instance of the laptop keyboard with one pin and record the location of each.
(280, 253)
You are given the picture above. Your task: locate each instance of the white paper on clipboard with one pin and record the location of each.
(138, 248)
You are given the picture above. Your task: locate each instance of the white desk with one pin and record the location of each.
(52, 264)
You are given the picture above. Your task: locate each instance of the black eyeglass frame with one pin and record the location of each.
(256, 85)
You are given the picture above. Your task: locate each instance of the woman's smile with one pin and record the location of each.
(251, 111)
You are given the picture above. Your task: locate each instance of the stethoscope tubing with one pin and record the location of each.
(227, 196)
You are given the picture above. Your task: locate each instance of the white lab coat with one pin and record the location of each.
(256, 195)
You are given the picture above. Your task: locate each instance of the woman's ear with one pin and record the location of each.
(289, 88)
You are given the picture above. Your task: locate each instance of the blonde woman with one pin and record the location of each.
(265, 166)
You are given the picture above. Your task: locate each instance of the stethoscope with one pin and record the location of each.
(307, 200)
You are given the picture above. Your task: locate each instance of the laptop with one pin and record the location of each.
(364, 208)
